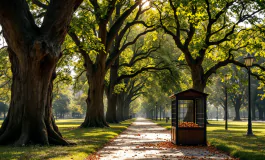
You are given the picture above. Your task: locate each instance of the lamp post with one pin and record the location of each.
(248, 62)
(226, 79)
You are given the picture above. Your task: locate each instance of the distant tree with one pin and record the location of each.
(3, 108)
(5, 75)
(61, 106)
(206, 34)
(111, 22)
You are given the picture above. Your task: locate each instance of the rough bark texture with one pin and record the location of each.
(33, 53)
(95, 107)
(30, 117)
(111, 95)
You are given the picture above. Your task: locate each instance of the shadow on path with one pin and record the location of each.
(143, 139)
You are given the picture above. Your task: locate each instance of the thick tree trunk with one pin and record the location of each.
(126, 110)
(33, 51)
(111, 116)
(199, 85)
(120, 107)
(95, 106)
(29, 119)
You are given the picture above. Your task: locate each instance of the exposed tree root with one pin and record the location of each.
(95, 123)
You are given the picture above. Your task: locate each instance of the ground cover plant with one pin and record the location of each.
(88, 141)
(233, 141)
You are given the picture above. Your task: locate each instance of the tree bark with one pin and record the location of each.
(33, 53)
(126, 110)
(120, 107)
(30, 120)
(111, 116)
(95, 106)
(237, 110)
(198, 84)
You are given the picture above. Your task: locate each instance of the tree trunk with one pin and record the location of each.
(95, 106)
(4, 115)
(237, 110)
(111, 95)
(120, 107)
(261, 111)
(126, 110)
(261, 115)
(33, 52)
(29, 119)
(199, 85)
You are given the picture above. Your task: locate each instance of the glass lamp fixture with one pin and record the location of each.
(249, 60)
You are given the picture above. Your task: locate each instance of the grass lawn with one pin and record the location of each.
(88, 141)
(233, 141)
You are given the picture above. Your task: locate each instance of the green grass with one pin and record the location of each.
(234, 140)
(88, 141)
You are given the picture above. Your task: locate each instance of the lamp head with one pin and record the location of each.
(249, 60)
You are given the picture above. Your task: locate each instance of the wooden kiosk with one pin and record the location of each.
(188, 120)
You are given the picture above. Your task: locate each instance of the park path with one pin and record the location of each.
(146, 140)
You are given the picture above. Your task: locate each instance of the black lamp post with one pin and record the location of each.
(226, 79)
(248, 62)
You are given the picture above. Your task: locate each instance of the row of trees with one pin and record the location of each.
(236, 87)
(109, 44)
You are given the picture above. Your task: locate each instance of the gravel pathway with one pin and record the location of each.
(146, 140)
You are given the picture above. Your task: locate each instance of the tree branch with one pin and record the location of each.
(57, 19)
(118, 23)
(40, 4)
(80, 47)
(114, 55)
(141, 71)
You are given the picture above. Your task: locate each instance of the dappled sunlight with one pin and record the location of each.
(88, 141)
(146, 140)
(234, 140)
